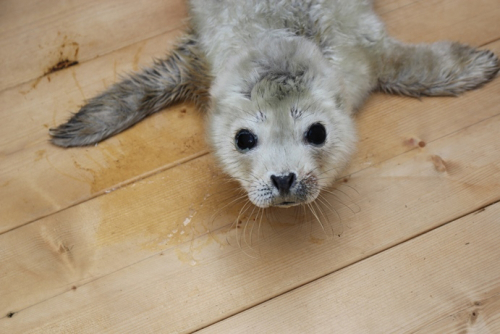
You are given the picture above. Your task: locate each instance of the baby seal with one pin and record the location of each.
(280, 82)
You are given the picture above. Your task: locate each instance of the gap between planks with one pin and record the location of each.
(452, 139)
(243, 321)
(70, 32)
(60, 205)
(181, 27)
(205, 152)
(118, 186)
(320, 278)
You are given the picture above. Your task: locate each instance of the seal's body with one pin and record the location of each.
(281, 81)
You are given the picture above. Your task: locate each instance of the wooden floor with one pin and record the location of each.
(136, 234)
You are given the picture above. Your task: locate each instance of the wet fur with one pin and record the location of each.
(182, 76)
(276, 67)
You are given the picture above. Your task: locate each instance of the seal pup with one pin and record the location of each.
(280, 82)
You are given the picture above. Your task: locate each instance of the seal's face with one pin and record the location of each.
(282, 149)
(279, 123)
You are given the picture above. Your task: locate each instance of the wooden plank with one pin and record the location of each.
(108, 248)
(483, 318)
(59, 231)
(487, 320)
(37, 35)
(384, 7)
(445, 20)
(37, 179)
(384, 132)
(107, 233)
(445, 281)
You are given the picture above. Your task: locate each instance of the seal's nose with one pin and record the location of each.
(284, 182)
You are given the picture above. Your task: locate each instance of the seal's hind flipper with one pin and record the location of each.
(183, 75)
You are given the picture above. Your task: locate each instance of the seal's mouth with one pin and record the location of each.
(286, 204)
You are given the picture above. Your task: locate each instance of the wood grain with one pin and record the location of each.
(445, 20)
(383, 7)
(445, 281)
(36, 35)
(37, 179)
(122, 239)
(141, 206)
(137, 235)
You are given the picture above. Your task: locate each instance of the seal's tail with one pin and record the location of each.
(181, 76)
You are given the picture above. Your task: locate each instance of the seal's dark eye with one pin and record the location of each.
(316, 135)
(245, 140)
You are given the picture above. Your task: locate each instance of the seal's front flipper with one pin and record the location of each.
(442, 68)
(183, 75)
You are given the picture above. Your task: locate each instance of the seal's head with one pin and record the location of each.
(284, 133)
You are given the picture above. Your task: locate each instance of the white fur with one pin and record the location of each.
(244, 41)
(275, 68)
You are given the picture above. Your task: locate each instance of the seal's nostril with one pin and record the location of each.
(275, 181)
(291, 179)
(284, 182)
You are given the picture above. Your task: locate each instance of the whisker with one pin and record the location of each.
(253, 225)
(322, 200)
(242, 210)
(245, 228)
(322, 214)
(339, 200)
(219, 211)
(316, 216)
